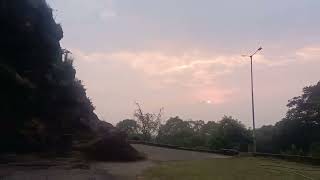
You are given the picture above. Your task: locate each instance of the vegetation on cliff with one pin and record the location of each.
(43, 106)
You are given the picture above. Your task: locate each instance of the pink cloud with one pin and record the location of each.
(309, 53)
(194, 71)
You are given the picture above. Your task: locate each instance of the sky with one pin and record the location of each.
(185, 55)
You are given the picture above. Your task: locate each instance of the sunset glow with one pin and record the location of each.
(191, 55)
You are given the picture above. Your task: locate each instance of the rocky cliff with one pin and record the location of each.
(43, 107)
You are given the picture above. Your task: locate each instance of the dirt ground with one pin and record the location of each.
(103, 170)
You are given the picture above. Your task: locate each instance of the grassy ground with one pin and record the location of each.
(232, 169)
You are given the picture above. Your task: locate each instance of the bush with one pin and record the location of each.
(293, 151)
(315, 150)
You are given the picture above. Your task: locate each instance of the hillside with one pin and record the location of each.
(44, 107)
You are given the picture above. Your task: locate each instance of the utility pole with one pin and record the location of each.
(252, 101)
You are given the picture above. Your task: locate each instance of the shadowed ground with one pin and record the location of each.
(155, 155)
(102, 170)
(166, 164)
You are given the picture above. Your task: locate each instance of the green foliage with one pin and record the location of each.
(315, 150)
(265, 142)
(230, 133)
(175, 131)
(149, 123)
(130, 127)
(296, 133)
(218, 142)
(302, 123)
(293, 151)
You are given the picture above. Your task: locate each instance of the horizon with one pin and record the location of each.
(188, 60)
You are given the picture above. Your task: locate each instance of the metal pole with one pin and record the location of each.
(253, 116)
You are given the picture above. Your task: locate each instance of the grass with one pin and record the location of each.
(233, 169)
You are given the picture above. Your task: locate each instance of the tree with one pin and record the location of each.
(129, 126)
(301, 125)
(196, 125)
(231, 134)
(306, 107)
(227, 133)
(175, 131)
(264, 136)
(209, 130)
(149, 122)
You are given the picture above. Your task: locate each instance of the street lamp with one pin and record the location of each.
(252, 102)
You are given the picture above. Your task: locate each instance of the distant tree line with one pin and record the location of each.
(297, 134)
(227, 133)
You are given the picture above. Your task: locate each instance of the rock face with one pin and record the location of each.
(43, 107)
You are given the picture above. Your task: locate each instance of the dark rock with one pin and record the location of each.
(110, 148)
(43, 107)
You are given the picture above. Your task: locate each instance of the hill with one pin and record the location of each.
(44, 107)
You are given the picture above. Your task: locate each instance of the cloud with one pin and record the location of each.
(197, 73)
(160, 63)
(194, 73)
(309, 53)
(190, 68)
(108, 14)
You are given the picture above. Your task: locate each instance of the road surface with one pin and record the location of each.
(155, 155)
(103, 170)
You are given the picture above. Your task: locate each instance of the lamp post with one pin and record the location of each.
(252, 101)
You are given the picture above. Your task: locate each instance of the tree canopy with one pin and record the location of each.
(129, 126)
(149, 123)
(299, 131)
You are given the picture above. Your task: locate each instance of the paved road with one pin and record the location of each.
(107, 171)
(165, 154)
(128, 171)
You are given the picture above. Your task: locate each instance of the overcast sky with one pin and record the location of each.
(185, 55)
